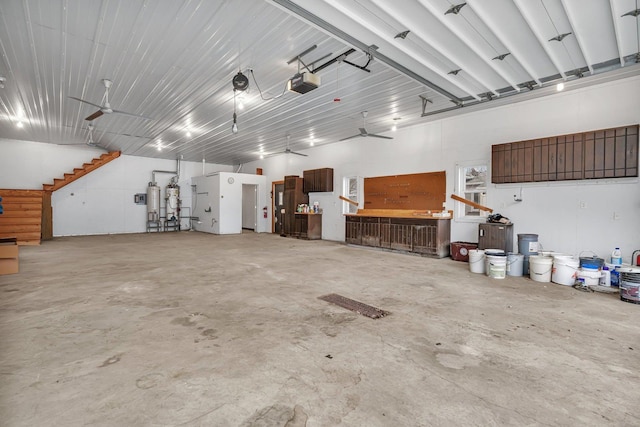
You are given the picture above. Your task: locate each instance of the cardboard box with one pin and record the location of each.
(8, 256)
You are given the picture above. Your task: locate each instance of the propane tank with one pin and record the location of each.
(173, 202)
(153, 202)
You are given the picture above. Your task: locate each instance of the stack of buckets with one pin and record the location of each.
(495, 263)
(590, 270)
(540, 267)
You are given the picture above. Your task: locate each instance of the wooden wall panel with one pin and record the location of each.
(631, 168)
(22, 217)
(420, 191)
(606, 153)
(47, 216)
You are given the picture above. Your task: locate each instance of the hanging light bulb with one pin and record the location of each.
(234, 126)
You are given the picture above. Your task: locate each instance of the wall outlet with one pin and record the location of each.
(583, 204)
(616, 216)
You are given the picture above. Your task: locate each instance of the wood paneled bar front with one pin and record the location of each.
(402, 230)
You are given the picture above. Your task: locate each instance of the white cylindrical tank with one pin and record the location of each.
(173, 203)
(153, 202)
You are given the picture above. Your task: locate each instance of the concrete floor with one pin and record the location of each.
(192, 329)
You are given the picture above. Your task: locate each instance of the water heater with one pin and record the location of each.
(153, 202)
(173, 202)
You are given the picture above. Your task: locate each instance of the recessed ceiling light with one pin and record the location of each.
(20, 124)
(560, 86)
(394, 128)
(261, 156)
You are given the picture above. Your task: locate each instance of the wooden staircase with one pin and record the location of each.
(27, 213)
(86, 168)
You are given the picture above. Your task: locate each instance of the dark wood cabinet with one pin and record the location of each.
(308, 226)
(607, 153)
(318, 180)
(293, 196)
(495, 236)
(426, 236)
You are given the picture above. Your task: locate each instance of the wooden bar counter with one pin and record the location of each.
(423, 232)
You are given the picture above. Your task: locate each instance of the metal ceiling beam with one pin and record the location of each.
(416, 30)
(616, 30)
(306, 15)
(475, 46)
(581, 43)
(519, 56)
(541, 39)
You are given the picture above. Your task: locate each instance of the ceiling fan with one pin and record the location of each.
(363, 130)
(289, 151)
(105, 108)
(90, 142)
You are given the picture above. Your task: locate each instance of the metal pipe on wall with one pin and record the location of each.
(153, 174)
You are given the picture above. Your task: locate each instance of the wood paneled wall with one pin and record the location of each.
(606, 153)
(22, 217)
(417, 191)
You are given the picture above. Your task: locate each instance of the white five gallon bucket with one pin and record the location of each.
(515, 264)
(540, 268)
(497, 266)
(476, 261)
(565, 270)
(591, 277)
(487, 254)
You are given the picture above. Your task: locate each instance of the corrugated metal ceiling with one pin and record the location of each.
(173, 61)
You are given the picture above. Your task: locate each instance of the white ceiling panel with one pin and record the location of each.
(174, 60)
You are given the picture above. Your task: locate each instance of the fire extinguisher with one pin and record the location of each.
(264, 211)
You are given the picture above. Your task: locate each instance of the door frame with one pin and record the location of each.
(273, 204)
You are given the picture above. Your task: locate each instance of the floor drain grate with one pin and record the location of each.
(353, 305)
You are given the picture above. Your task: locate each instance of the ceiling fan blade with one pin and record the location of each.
(299, 154)
(132, 115)
(363, 132)
(86, 102)
(350, 137)
(379, 136)
(94, 115)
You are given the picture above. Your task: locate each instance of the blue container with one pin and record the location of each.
(592, 263)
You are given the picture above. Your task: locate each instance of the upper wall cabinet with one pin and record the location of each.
(607, 153)
(318, 180)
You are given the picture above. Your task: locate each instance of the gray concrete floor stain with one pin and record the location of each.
(192, 329)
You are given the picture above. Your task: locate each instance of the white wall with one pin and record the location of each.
(223, 193)
(101, 202)
(551, 210)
